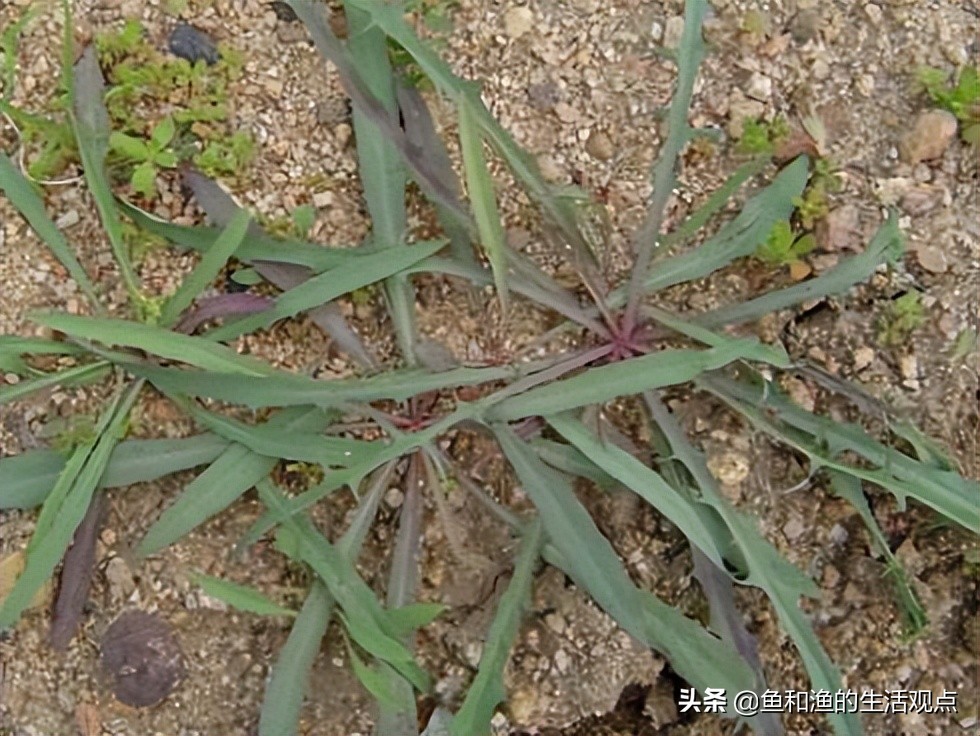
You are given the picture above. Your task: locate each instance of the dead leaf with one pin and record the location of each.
(87, 720)
(799, 270)
(11, 567)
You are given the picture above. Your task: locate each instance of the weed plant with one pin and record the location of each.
(547, 415)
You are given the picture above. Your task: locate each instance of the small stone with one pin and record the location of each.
(921, 200)
(740, 109)
(394, 497)
(518, 21)
(69, 218)
(908, 366)
(932, 258)
(600, 146)
(321, 200)
(863, 357)
(874, 13)
(841, 229)
(730, 469)
(550, 169)
(759, 87)
(805, 26)
(830, 577)
(543, 96)
(566, 113)
(930, 136)
(555, 622)
(673, 31)
(189, 43)
(838, 535)
(793, 529)
(120, 579)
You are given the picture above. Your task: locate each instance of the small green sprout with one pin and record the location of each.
(783, 246)
(149, 156)
(761, 137)
(226, 156)
(902, 317)
(961, 99)
(812, 205)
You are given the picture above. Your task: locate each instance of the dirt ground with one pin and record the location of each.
(579, 84)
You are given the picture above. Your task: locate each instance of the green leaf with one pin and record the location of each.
(242, 597)
(130, 147)
(373, 679)
(30, 476)
(414, 616)
(91, 125)
(144, 178)
(163, 133)
(588, 558)
(166, 159)
(65, 508)
(22, 195)
(191, 350)
(77, 376)
(482, 197)
(207, 269)
(234, 472)
(487, 690)
(627, 377)
(283, 697)
(327, 286)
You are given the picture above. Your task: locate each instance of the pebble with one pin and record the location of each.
(908, 365)
(518, 21)
(921, 200)
(863, 357)
(793, 529)
(759, 87)
(841, 230)
(929, 137)
(740, 109)
(932, 258)
(600, 146)
(838, 535)
(673, 31)
(189, 43)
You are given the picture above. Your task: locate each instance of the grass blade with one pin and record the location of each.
(22, 195)
(487, 690)
(91, 124)
(77, 376)
(156, 341)
(589, 559)
(329, 285)
(626, 378)
(243, 597)
(645, 482)
(283, 698)
(235, 471)
(690, 54)
(885, 247)
(364, 617)
(65, 508)
(766, 568)
(30, 476)
(284, 389)
(823, 439)
(482, 198)
(207, 270)
(849, 488)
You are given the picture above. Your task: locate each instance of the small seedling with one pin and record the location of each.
(812, 205)
(903, 317)
(147, 156)
(761, 137)
(784, 247)
(961, 99)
